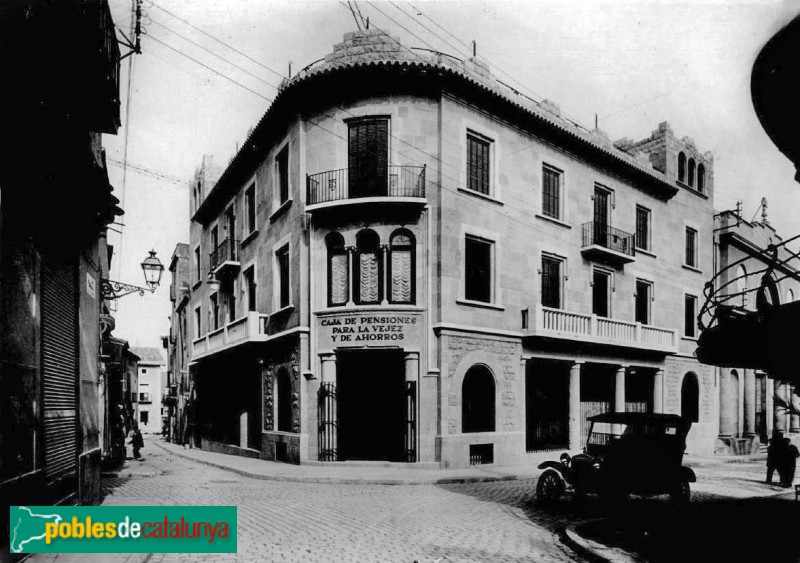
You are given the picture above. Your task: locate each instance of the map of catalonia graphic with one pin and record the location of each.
(27, 526)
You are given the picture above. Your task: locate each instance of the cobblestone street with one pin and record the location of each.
(295, 521)
(285, 521)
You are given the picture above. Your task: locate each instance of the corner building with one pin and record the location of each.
(413, 263)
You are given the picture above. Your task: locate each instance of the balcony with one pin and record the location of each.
(250, 328)
(397, 184)
(225, 258)
(603, 242)
(566, 325)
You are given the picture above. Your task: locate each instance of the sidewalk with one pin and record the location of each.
(347, 474)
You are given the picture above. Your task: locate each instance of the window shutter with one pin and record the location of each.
(369, 277)
(338, 279)
(401, 276)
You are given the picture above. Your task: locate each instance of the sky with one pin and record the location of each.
(209, 69)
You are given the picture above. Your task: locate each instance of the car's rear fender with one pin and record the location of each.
(688, 474)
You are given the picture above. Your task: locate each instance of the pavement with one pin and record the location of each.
(348, 473)
(311, 513)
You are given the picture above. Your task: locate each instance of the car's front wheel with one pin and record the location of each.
(549, 487)
(682, 493)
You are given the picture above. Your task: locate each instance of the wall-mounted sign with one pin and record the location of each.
(369, 329)
(90, 286)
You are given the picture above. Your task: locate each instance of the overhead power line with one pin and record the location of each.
(220, 41)
(148, 171)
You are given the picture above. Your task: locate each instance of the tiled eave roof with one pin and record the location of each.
(449, 78)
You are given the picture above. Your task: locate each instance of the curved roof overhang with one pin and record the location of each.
(317, 90)
(775, 89)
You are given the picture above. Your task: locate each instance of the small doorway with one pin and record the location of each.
(371, 393)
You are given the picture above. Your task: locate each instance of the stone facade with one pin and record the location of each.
(398, 375)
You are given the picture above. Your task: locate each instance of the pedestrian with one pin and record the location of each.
(790, 463)
(775, 452)
(188, 430)
(137, 443)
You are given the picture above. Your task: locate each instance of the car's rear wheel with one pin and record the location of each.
(549, 487)
(682, 493)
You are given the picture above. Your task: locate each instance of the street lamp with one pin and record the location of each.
(213, 282)
(152, 269)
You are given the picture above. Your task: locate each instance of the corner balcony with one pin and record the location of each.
(395, 184)
(566, 325)
(250, 328)
(605, 243)
(225, 258)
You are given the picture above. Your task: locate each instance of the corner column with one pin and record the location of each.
(575, 406)
(778, 413)
(328, 432)
(749, 403)
(770, 405)
(658, 391)
(728, 403)
(619, 393)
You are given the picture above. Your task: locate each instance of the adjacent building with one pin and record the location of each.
(151, 388)
(410, 261)
(755, 271)
(179, 341)
(60, 94)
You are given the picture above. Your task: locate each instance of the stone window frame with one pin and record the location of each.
(495, 265)
(563, 275)
(285, 242)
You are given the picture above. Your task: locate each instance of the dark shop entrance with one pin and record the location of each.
(371, 403)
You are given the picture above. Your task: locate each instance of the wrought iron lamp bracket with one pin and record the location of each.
(111, 289)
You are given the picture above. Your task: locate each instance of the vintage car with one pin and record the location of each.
(626, 453)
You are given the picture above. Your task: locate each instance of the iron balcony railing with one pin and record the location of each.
(227, 251)
(601, 234)
(336, 185)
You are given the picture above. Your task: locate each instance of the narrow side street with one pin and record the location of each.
(297, 521)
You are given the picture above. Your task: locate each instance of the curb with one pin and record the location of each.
(346, 480)
(594, 551)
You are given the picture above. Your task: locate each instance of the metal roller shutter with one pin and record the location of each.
(60, 368)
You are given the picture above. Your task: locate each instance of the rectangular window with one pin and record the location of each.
(551, 281)
(367, 158)
(214, 312)
(601, 292)
(250, 203)
(644, 296)
(250, 287)
(691, 247)
(197, 265)
(282, 170)
(478, 163)
(642, 228)
(144, 417)
(551, 192)
(197, 327)
(690, 316)
(478, 269)
(282, 257)
(214, 238)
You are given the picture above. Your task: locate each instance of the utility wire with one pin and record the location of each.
(148, 171)
(215, 71)
(220, 41)
(233, 64)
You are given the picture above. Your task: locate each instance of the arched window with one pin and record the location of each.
(740, 286)
(690, 397)
(368, 271)
(681, 167)
(701, 177)
(283, 400)
(767, 295)
(401, 267)
(338, 279)
(477, 400)
(690, 173)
